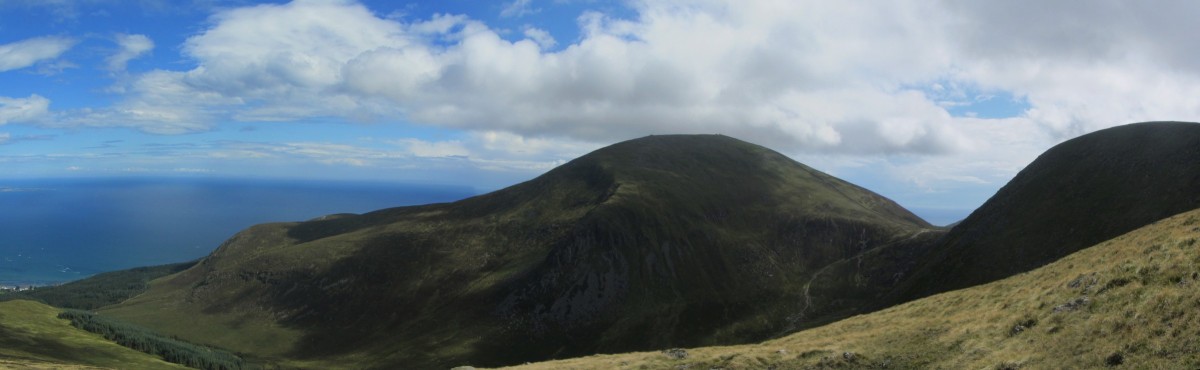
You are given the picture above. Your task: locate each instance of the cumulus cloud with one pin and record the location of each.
(28, 109)
(679, 68)
(260, 63)
(803, 77)
(131, 47)
(28, 52)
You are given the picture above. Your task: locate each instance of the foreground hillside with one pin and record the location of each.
(1133, 301)
(32, 337)
(650, 243)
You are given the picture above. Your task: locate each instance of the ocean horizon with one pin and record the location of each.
(58, 230)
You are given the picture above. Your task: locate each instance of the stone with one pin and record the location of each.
(676, 353)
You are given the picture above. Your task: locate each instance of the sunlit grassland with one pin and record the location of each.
(31, 336)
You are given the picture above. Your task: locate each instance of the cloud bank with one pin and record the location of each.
(855, 84)
(802, 76)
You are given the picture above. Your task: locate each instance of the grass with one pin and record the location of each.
(1132, 301)
(31, 336)
(100, 290)
(167, 307)
(169, 349)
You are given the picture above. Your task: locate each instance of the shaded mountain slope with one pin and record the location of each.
(1129, 302)
(654, 242)
(1076, 194)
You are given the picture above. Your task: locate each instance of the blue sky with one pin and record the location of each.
(934, 104)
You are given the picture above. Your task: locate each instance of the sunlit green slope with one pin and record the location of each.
(31, 336)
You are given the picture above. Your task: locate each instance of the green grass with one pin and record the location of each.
(100, 290)
(1133, 302)
(32, 335)
(141, 339)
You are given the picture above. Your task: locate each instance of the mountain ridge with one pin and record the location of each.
(658, 242)
(694, 238)
(1076, 194)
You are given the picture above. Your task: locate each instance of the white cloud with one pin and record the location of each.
(1083, 68)
(5, 137)
(872, 81)
(260, 63)
(28, 52)
(131, 47)
(518, 8)
(499, 144)
(541, 37)
(423, 148)
(672, 72)
(28, 109)
(490, 151)
(703, 68)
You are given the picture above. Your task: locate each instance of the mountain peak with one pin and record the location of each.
(676, 240)
(720, 170)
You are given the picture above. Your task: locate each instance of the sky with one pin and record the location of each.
(935, 104)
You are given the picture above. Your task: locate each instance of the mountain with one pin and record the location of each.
(1078, 193)
(1132, 301)
(32, 337)
(650, 243)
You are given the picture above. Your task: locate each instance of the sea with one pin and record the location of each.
(58, 230)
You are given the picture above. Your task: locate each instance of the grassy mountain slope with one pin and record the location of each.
(31, 336)
(1078, 193)
(1132, 301)
(654, 242)
(100, 290)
